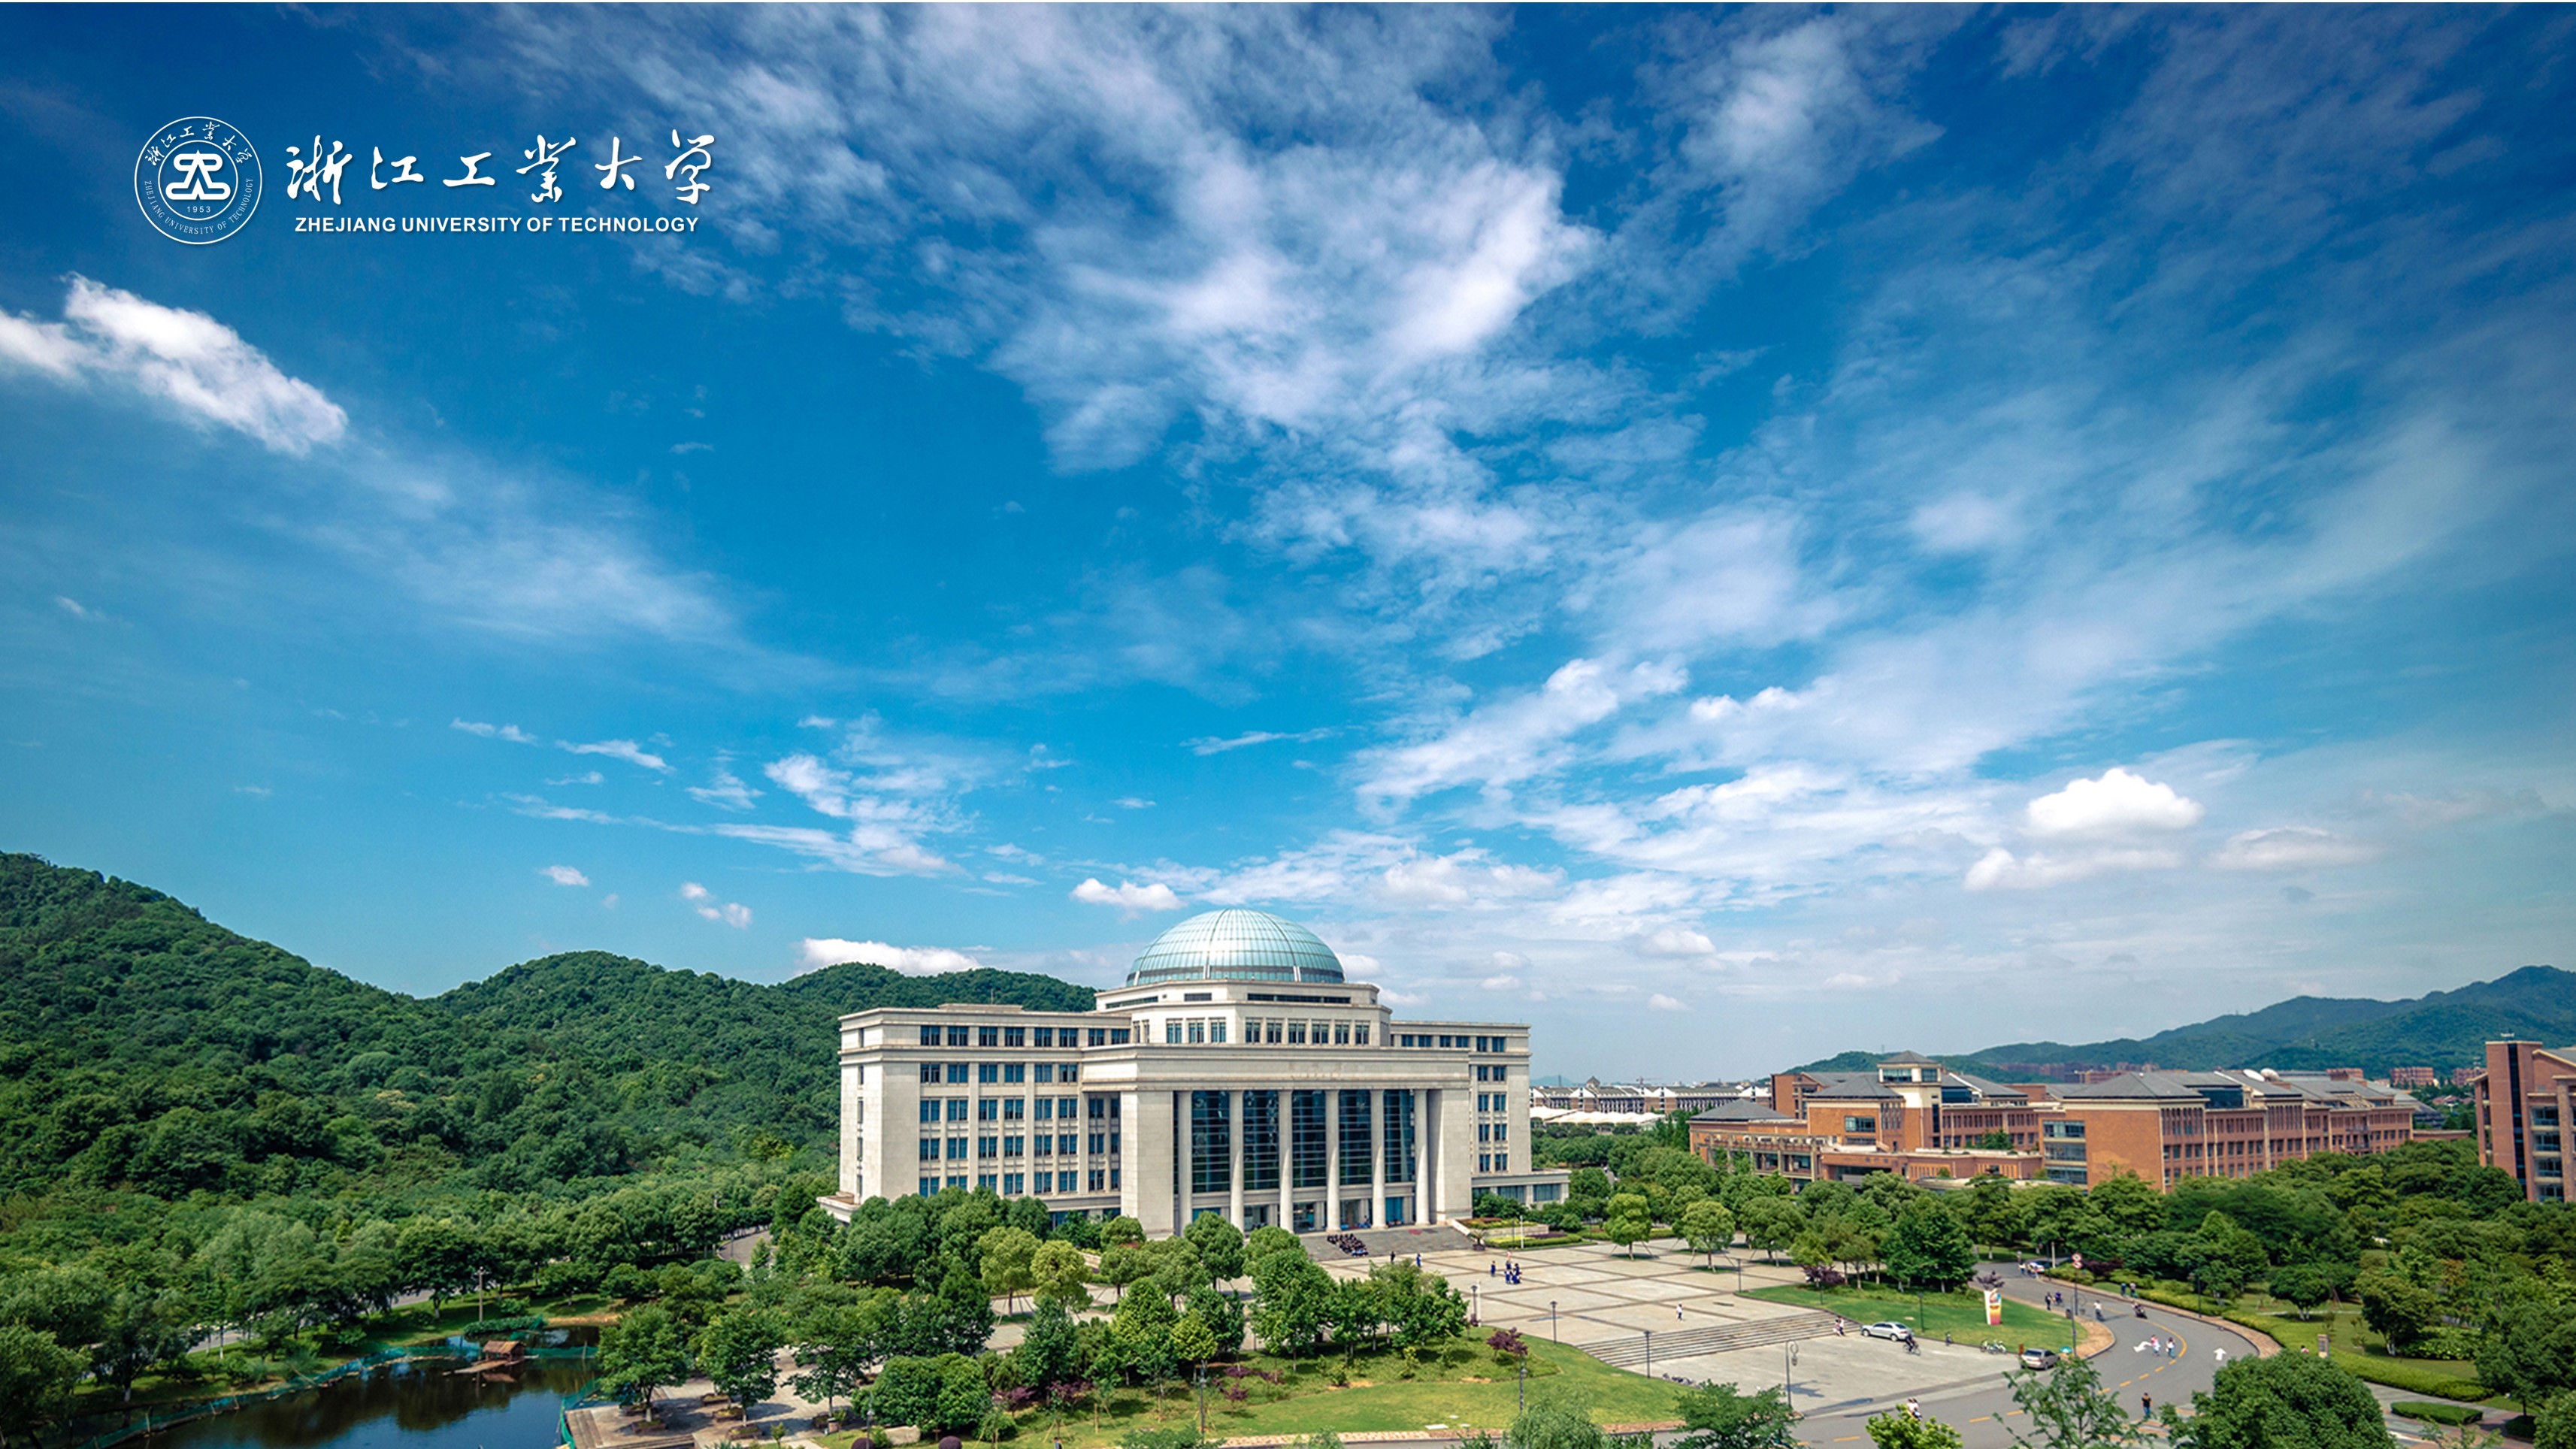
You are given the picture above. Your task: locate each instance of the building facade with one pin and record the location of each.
(2166, 1126)
(1236, 1072)
(1912, 1115)
(2525, 1099)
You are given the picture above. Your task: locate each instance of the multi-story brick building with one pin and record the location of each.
(2166, 1126)
(2414, 1077)
(1911, 1115)
(1236, 1072)
(2525, 1100)
(1916, 1117)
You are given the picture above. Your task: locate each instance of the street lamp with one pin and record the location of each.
(1524, 1392)
(1789, 1377)
(1551, 1321)
(1650, 1353)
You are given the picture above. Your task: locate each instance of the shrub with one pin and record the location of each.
(1825, 1276)
(2453, 1414)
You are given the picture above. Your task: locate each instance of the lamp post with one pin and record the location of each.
(1551, 1321)
(1524, 1391)
(1789, 1376)
(1650, 1353)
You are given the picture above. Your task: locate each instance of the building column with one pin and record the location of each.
(1182, 1147)
(1332, 1160)
(1145, 1166)
(1234, 1159)
(1378, 1119)
(1288, 1158)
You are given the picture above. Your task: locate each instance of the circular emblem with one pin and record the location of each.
(197, 180)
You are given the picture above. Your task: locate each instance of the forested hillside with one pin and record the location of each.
(2443, 1029)
(146, 1049)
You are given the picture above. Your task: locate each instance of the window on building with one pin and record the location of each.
(929, 1109)
(1042, 1035)
(988, 1147)
(988, 1072)
(930, 1149)
(1399, 1144)
(1296, 1033)
(1270, 1031)
(1068, 1072)
(1260, 1141)
(1046, 1109)
(956, 1149)
(1012, 1146)
(957, 1073)
(1064, 1143)
(1065, 1107)
(1099, 1036)
(1502, 1162)
(930, 1036)
(957, 1036)
(1216, 1030)
(1211, 1142)
(1011, 1182)
(1172, 1031)
(1307, 1125)
(930, 1071)
(1046, 1071)
(1118, 1036)
(956, 1109)
(1013, 1036)
(1359, 1034)
(1015, 1071)
(1198, 1030)
(988, 1110)
(1357, 1155)
(1341, 1033)
(1014, 1108)
(988, 1036)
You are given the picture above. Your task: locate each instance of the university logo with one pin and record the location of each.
(197, 180)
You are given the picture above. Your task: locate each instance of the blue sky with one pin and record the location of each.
(1730, 535)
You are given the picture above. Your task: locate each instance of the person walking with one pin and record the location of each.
(2146, 1406)
(1913, 1409)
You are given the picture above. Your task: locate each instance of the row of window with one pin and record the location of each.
(1014, 1184)
(1010, 1109)
(1493, 1131)
(1493, 1162)
(1024, 1036)
(1000, 1073)
(1437, 1039)
(1495, 1073)
(1493, 1101)
(1260, 1031)
(1045, 1144)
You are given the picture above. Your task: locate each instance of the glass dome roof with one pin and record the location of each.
(1236, 945)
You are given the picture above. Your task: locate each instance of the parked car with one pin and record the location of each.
(2039, 1358)
(1897, 1331)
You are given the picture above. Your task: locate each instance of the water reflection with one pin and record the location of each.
(422, 1404)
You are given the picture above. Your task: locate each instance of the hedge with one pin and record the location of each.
(2452, 1414)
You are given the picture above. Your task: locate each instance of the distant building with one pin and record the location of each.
(2166, 1126)
(1636, 1098)
(1910, 1115)
(2414, 1077)
(1913, 1116)
(2524, 1100)
(1236, 1072)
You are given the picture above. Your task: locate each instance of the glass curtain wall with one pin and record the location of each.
(1211, 1142)
(1306, 1145)
(1356, 1156)
(1400, 1165)
(1261, 1142)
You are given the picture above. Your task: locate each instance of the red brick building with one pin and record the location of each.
(2524, 1102)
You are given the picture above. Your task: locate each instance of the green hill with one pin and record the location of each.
(143, 1047)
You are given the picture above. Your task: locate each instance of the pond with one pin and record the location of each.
(419, 1404)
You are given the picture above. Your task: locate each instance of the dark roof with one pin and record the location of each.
(1844, 1086)
(1985, 1088)
(2131, 1086)
(1743, 1109)
(1908, 1059)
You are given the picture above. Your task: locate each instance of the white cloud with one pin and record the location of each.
(1514, 739)
(1132, 802)
(1504, 982)
(627, 750)
(1678, 941)
(563, 875)
(1127, 896)
(725, 791)
(510, 732)
(703, 901)
(1211, 745)
(1660, 1002)
(185, 359)
(2117, 804)
(2000, 869)
(814, 953)
(586, 777)
(2291, 847)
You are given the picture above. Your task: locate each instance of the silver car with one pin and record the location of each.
(2039, 1358)
(1890, 1329)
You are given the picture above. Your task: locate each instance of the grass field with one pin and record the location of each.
(1464, 1388)
(1962, 1314)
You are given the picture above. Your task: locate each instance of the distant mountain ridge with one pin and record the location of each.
(2441, 1029)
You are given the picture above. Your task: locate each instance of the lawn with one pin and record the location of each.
(1463, 1388)
(1962, 1313)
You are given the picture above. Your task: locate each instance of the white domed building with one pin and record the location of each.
(1237, 1071)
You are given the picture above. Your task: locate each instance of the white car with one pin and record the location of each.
(1894, 1330)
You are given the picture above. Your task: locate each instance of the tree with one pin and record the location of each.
(36, 1377)
(1709, 1228)
(2399, 1308)
(835, 1343)
(1007, 1262)
(1121, 1229)
(1927, 1246)
(1556, 1422)
(964, 1397)
(2068, 1408)
(640, 1353)
(1294, 1298)
(1720, 1417)
(1124, 1263)
(2294, 1399)
(2303, 1284)
(907, 1391)
(1900, 1430)
(2529, 1350)
(1051, 1353)
(739, 1353)
(137, 1330)
(1771, 1222)
(1219, 1245)
(1193, 1343)
(1264, 1241)
(1628, 1222)
(2131, 1203)
(1222, 1315)
(1061, 1276)
(2554, 1426)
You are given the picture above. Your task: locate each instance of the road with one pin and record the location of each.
(1981, 1407)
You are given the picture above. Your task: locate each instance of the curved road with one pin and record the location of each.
(1981, 1408)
